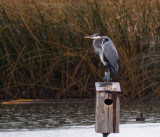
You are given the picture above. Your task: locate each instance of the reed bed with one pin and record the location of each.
(43, 53)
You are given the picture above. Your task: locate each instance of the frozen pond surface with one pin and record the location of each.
(75, 118)
(126, 130)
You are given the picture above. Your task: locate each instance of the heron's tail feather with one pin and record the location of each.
(114, 72)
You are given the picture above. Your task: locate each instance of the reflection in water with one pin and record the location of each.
(81, 113)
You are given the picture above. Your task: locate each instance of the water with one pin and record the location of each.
(53, 115)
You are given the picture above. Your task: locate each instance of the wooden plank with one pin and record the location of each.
(107, 116)
(117, 114)
(110, 115)
(115, 86)
(101, 116)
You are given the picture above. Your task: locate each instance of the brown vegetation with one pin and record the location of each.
(43, 53)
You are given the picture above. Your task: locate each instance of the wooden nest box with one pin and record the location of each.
(107, 107)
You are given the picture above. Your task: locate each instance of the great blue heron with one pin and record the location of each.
(107, 51)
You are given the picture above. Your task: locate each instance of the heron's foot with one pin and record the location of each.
(105, 84)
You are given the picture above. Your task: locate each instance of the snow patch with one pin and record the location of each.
(126, 130)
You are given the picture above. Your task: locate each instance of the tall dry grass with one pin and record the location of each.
(43, 53)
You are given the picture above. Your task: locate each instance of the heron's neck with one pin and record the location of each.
(97, 45)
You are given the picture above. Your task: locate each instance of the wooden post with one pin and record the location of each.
(105, 134)
(107, 108)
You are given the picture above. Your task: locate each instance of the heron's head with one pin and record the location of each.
(95, 36)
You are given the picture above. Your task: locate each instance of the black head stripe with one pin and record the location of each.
(106, 39)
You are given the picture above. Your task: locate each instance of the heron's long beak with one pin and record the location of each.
(89, 37)
(95, 36)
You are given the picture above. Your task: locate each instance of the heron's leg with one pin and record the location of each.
(107, 79)
(107, 75)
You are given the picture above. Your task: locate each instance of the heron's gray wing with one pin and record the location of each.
(110, 55)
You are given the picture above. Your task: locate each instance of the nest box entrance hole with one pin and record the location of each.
(108, 101)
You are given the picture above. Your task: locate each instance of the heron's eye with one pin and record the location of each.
(106, 39)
